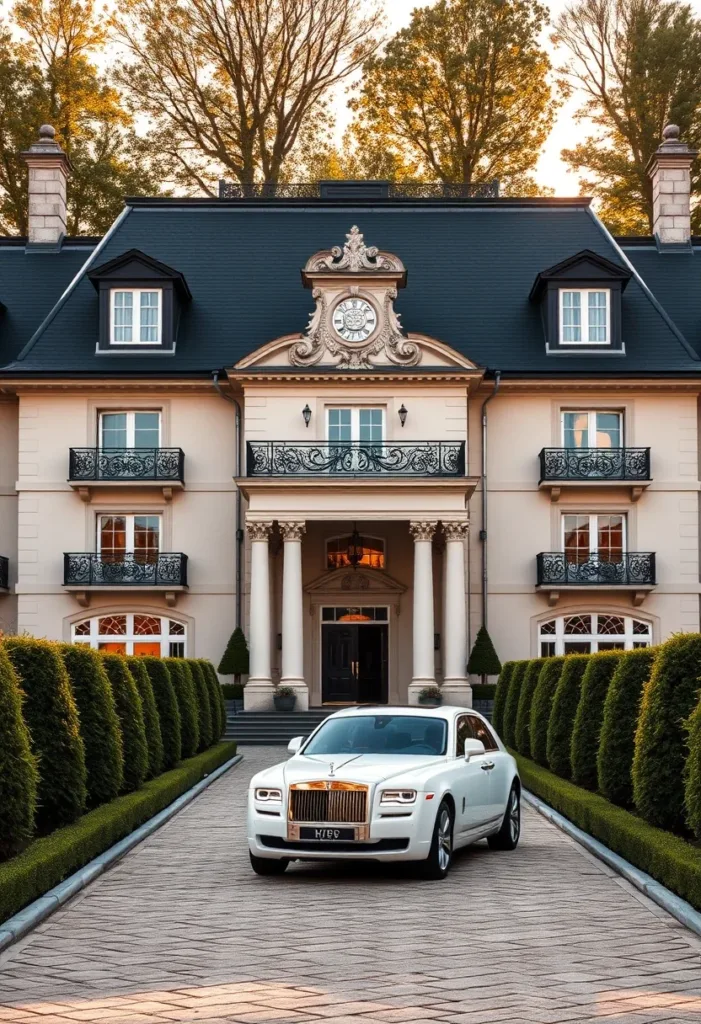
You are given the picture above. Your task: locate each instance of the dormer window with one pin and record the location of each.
(135, 316)
(585, 317)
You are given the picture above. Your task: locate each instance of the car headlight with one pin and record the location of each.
(266, 795)
(398, 796)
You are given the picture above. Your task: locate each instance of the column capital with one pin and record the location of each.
(423, 530)
(456, 530)
(292, 529)
(259, 530)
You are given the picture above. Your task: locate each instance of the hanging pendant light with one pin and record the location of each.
(355, 548)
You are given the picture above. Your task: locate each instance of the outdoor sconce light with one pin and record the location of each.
(402, 414)
(307, 413)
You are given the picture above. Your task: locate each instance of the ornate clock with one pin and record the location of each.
(354, 319)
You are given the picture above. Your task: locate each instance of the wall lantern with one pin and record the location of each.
(307, 413)
(402, 414)
(354, 552)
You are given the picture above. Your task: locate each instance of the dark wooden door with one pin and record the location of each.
(372, 664)
(354, 663)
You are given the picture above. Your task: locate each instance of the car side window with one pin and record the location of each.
(463, 731)
(480, 732)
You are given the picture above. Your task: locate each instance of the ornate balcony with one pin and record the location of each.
(85, 571)
(586, 466)
(4, 573)
(162, 467)
(635, 570)
(366, 459)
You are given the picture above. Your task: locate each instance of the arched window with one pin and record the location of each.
(369, 552)
(132, 633)
(588, 633)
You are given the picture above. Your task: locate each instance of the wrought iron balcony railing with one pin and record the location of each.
(632, 569)
(400, 458)
(164, 465)
(627, 464)
(86, 569)
(4, 573)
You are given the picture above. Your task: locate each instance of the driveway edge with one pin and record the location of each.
(663, 897)
(20, 924)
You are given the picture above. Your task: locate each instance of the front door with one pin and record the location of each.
(354, 663)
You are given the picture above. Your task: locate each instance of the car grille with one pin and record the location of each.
(340, 802)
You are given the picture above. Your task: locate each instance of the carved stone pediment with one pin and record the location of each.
(354, 257)
(363, 582)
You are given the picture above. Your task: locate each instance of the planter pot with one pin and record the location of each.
(284, 704)
(430, 702)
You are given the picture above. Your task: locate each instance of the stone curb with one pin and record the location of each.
(20, 924)
(665, 898)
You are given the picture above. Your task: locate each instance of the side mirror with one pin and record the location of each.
(473, 748)
(295, 745)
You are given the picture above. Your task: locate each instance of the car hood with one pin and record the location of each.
(363, 768)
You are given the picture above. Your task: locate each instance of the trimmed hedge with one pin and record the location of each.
(501, 695)
(232, 691)
(562, 714)
(51, 859)
(152, 725)
(99, 724)
(51, 716)
(216, 698)
(692, 773)
(167, 706)
(204, 708)
(668, 858)
(590, 714)
(131, 720)
(541, 706)
(525, 700)
(511, 708)
(19, 777)
(621, 708)
(483, 691)
(669, 697)
(181, 678)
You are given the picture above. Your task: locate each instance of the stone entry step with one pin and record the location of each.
(272, 728)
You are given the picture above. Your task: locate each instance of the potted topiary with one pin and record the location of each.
(285, 699)
(430, 697)
(235, 663)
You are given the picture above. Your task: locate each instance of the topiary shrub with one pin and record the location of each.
(51, 716)
(131, 720)
(692, 772)
(501, 694)
(511, 708)
(167, 707)
(184, 687)
(204, 708)
(541, 706)
(235, 658)
(562, 714)
(589, 717)
(216, 698)
(525, 700)
(669, 697)
(152, 725)
(19, 777)
(621, 710)
(99, 724)
(483, 660)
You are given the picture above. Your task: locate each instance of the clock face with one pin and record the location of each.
(354, 319)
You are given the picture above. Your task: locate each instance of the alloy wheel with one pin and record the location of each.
(514, 816)
(445, 839)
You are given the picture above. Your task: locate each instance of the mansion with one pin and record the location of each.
(360, 419)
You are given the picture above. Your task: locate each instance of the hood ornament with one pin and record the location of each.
(331, 775)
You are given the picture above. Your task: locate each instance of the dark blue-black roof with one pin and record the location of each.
(675, 278)
(470, 268)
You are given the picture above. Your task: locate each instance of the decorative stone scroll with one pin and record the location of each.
(355, 256)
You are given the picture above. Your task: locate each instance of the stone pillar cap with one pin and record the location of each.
(46, 148)
(672, 148)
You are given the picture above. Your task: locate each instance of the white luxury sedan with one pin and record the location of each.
(391, 784)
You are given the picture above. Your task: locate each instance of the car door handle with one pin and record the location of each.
(487, 766)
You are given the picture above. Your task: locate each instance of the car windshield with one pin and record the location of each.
(380, 734)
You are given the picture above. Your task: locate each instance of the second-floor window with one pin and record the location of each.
(130, 430)
(128, 537)
(585, 316)
(135, 316)
(601, 536)
(592, 429)
(348, 425)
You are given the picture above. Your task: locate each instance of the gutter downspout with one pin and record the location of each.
(239, 463)
(483, 531)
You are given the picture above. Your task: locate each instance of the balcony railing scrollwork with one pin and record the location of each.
(164, 465)
(632, 569)
(566, 464)
(86, 569)
(4, 573)
(311, 458)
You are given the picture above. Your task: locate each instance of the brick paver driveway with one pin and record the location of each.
(182, 930)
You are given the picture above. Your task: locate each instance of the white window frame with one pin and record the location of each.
(131, 415)
(593, 529)
(591, 415)
(165, 637)
(584, 309)
(136, 307)
(628, 637)
(130, 518)
(355, 423)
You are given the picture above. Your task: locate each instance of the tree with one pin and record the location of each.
(483, 660)
(18, 770)
(202, 701)
(525, 701)
(501, 695)
(562, 714)
(130, 712)
(462, 93)
(233, 86)
(617, 741)
(637, 64)
(511, 706)
(586, 732)
(235, 658)
(183, 684)
(167, 707)
(152, 725)
(541, 707)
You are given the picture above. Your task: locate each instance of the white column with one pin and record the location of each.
(292, 613)
(259, 690)
(456, 688)
(423, 628)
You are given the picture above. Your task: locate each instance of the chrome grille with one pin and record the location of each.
(336, 805)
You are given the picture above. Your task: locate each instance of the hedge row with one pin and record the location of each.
(77, 728)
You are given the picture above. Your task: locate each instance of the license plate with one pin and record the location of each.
(324, 834)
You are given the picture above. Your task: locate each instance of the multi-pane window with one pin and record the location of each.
(584, 316)
(348, 425)
(130, 430)
(128, 536)
(372, 552)
(589, 633)
(135, 316)
(603, 536)
(127, 633)
(592, 429)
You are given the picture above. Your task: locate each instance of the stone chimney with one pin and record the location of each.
(670, 171)
(48, 174)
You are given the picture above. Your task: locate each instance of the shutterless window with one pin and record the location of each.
(135, 316)
(589, 633)
(130, 430)
(592, 429)
(125, 537)
(348, 425)
(584, 317)
(587, 535)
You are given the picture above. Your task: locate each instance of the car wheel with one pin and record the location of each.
(437, 864)
(510, 832)
(266, 866)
